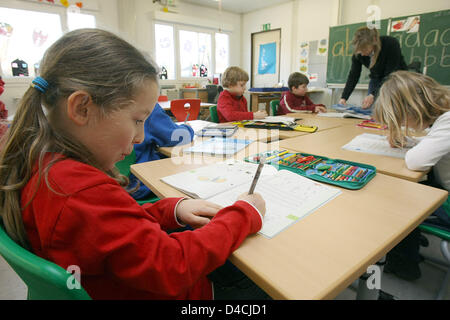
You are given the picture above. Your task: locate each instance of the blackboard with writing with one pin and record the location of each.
(430, 45)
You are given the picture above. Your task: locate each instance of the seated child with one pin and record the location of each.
(62, 198)
(296, 99)
(415, 101)
(160, 131)
(232, 105)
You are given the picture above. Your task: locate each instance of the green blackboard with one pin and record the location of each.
(430, 45)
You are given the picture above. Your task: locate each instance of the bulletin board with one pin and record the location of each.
(265, 64)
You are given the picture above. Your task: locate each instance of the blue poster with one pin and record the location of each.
(267, 58)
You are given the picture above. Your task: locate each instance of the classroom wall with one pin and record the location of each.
(306, 20)
(107, 18)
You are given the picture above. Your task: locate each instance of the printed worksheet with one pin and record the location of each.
(289, 198)
(204, 182)
(375, 144)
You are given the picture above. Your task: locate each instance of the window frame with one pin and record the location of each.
(43, 8)
(176, 32)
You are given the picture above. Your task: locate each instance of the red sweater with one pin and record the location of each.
(232, 108)
(119, 246)
(295, 103)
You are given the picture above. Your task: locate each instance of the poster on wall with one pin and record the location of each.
(267, 58)
(322, 47)
(410, 25)
(304, 57)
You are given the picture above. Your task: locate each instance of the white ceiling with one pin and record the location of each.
(238, 6)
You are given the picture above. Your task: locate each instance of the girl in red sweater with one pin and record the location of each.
(296, 99)
(62, 198)
(232, 105)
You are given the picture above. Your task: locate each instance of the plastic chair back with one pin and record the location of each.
(124, 168)
(213, 114)
(274, 104)
(44, 279)
(124, 165)
(163, 98)
(181, 107)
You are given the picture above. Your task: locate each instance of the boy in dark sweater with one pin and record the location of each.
(295, 99)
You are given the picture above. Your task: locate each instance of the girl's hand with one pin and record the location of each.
(368, 101)
(256, 200)
(196, 212)
(343, 102)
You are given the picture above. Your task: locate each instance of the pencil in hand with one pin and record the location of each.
(257, 174)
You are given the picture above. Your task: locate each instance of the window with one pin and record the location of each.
(165, 51)
(77, 20)
(222, 52)
(24, 36)
(195, 53)
(200, 53)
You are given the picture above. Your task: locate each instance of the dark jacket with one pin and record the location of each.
(389, 60)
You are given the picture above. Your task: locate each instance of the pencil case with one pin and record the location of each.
(342, 173)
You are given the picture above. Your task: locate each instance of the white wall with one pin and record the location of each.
(107, 18)
(136, 25)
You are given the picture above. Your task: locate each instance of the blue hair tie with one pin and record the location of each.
(40, 84)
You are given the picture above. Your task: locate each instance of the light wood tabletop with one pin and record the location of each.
(322, 254)
(329, 144)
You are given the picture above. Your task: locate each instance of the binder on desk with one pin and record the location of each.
(219, 146)
(217, 131)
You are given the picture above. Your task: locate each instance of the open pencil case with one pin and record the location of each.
(342, 173)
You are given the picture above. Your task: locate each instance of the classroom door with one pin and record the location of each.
(265, 64)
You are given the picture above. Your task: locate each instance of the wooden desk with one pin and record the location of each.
(259, 97)
(258, 135)
(329, 144)
(322, 123)
(322, 254)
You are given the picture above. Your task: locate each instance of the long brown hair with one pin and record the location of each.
(96, 61)
(411, 100)
(364, 37)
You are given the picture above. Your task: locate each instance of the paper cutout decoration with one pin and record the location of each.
(5, 29)
(203, 71)
(267, 58)
(304, 57)
(39, 37)
(322, 47)
(65, 3)
(79, 4)
(409, 25)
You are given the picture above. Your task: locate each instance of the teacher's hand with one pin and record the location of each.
(343, 102)
(367, 102)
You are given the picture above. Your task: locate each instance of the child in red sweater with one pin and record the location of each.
(62, 197)
(296, 99)
(232, 105)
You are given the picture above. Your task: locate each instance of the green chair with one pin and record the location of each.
(444, 235)
(274, 104)
(44, 279)
(213, 114)
(124, 168)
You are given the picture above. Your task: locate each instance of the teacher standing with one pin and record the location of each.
(381, 55)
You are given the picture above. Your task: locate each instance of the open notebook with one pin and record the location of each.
(289, 197)
(375, 144)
